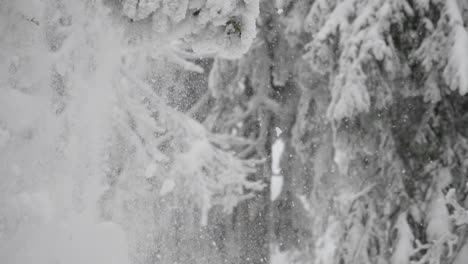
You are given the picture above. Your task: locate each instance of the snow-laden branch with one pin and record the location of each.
(201, 167)
(226, 28)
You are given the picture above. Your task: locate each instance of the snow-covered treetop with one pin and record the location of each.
(365, 44)
(222, 27)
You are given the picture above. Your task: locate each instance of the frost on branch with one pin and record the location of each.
(181, 150)
(459, 214)
(445, 215)
(226, 28)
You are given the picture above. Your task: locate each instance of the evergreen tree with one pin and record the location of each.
(370, 95)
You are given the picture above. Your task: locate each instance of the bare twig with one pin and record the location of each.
(32, 20)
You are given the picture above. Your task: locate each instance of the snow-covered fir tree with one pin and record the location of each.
(370, 98)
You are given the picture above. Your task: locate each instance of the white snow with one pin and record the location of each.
(327, 245)
(278, 131)
(438, 218)
(150, 171)
(403, 249)
(456, 72)
(278, 257)
(276, 185)
(167, 187)
(276, 151)
(276, 182)
(4, 137)
(51, 168)
(75, 241)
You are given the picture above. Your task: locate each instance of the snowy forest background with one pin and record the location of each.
(233, 131)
